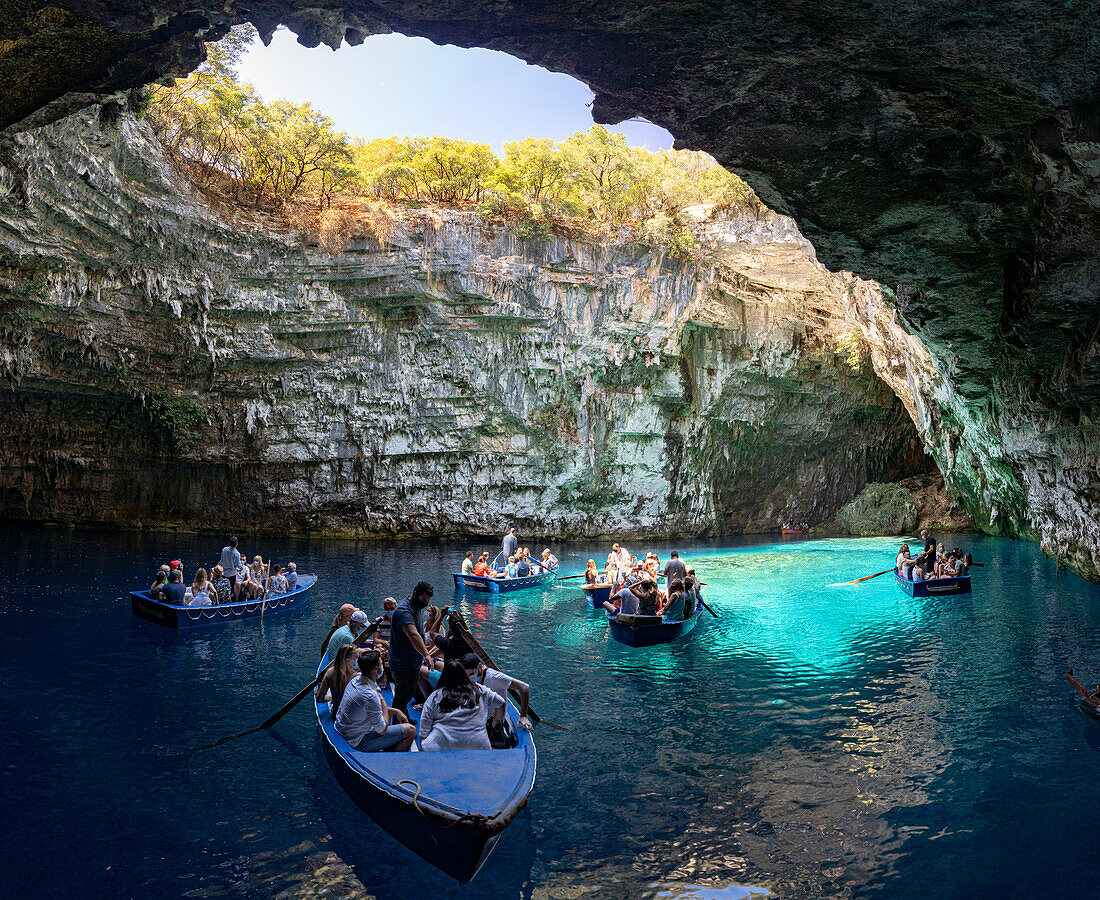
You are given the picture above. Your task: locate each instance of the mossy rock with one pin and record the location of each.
(879, 509)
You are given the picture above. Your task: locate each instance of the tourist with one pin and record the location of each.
(231, 559)
(159, 582)
(258, 571)
(691, 596)
(967, 562)
(591, 574)
(241, 589)
(500, 684)
(673, 607)
(200, 590)
(675, 569)
(364, 720)
(174, 591)
(384, 625)
(219, 584)
(627, 599)
(336, 676)
(510, 545)
(482, 568)
(903, 555)
(407, 644)
(648, 597)
(549, 561)
(453, 644)
(523, 567)
(468, 563)
(455, 715)
(176, 564)
(346, 634)
(291, 576)
(342, 619)
(276, 584)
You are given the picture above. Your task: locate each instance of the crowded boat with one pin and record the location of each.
(513, 561)
(232, 579)
(932, 561)
(444, 697)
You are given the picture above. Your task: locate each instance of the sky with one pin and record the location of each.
(392, 85)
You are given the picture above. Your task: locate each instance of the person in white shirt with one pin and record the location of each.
(455, 715)
(499, 683)
(364, 720)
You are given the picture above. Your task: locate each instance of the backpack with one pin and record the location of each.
(502, 734)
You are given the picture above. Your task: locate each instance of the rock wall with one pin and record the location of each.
(170, 365)
(950, 151)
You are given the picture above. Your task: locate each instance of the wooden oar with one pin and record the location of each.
(707, 608)
(567, 577)
(294, 701)
(867, 577)
(488, 660)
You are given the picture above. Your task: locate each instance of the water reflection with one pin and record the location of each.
(813, 741)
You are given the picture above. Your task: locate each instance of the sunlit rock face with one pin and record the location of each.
(951, 151)
(454, 378)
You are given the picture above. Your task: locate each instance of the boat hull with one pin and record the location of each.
(936, 587)
(650, 635)
(499, 585)
(597, 594)
(185, 617)
(417, 797)
(458, 853)
(795, 532)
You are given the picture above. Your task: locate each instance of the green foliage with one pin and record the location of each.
(879, 509)
(176, 421)
(269, 154)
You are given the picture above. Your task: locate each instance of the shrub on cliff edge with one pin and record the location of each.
(879, 509)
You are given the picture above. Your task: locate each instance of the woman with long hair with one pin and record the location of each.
(336, 677)
(456, 713)
(591, 575)
(200, 590)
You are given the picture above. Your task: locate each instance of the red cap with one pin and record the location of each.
(175, 564)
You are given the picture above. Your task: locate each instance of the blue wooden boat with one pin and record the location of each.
(147, 607)
(449, 806)
(648, 631)
(500, 585)
(597, 594)
(933, 587)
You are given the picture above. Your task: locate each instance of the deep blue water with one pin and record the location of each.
(814, 741)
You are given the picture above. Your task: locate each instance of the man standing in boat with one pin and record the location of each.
(510, 544)
(675, 569)
(407, 644)
(231, 562)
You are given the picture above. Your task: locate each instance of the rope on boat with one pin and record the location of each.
(476, 821)
(225, 610)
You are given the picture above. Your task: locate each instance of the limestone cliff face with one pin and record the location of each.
(169, 366)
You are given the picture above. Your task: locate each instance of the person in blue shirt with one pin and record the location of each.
(523, 568)
(174, 591)
(231, 562)
(291, 576)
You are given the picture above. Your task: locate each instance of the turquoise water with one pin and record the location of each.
(813, 741)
